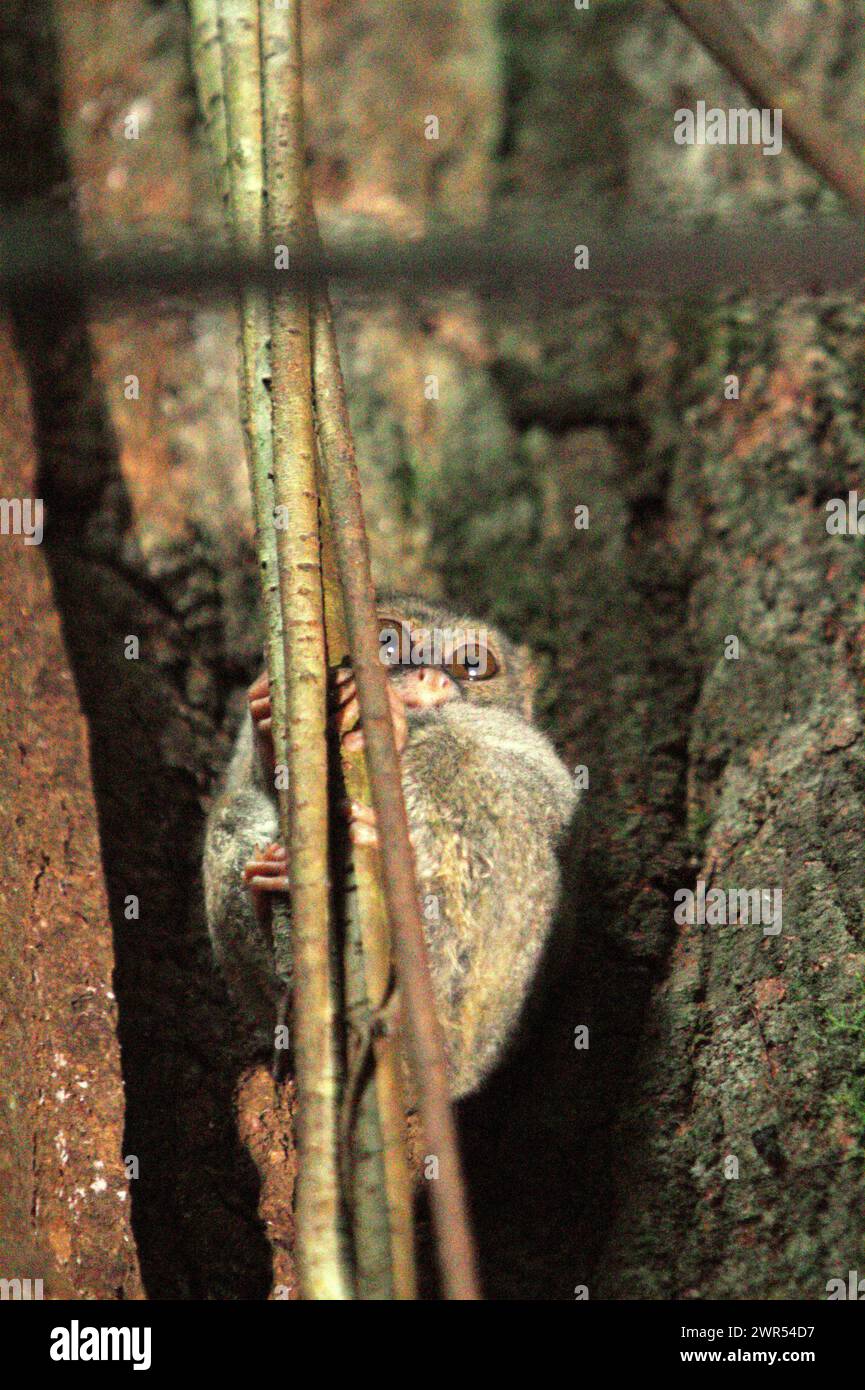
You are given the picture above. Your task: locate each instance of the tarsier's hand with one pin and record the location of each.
(258, 696)
(346, 714)
(362, 827)
(420, 687)
(415, 687)
(266, 873)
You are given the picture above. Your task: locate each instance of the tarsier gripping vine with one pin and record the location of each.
(487, 800)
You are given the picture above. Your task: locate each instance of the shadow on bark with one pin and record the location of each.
(610, 616)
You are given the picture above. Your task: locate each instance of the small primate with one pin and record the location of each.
(487, 801)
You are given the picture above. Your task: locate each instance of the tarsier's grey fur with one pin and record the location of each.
(487, 801)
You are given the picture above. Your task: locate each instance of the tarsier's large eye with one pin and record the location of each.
(473, 662)
(393, 641)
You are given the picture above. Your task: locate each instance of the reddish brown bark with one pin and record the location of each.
(66, 1193)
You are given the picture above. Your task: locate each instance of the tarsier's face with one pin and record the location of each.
(434, 657)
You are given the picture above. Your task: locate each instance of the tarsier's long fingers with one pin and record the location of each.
(362, 824)
(267, 871)
(258, 696)
(347, 713)
(260, 686)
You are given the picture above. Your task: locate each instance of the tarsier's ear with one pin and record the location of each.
(528, 682)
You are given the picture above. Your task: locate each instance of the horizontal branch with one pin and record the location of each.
(41, 262)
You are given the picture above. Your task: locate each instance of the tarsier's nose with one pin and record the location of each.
(427, 685)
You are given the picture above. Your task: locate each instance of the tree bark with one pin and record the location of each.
(65, 1194)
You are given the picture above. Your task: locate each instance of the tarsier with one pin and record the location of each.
(487, 800)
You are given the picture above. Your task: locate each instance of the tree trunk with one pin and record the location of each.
(64, 1195)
